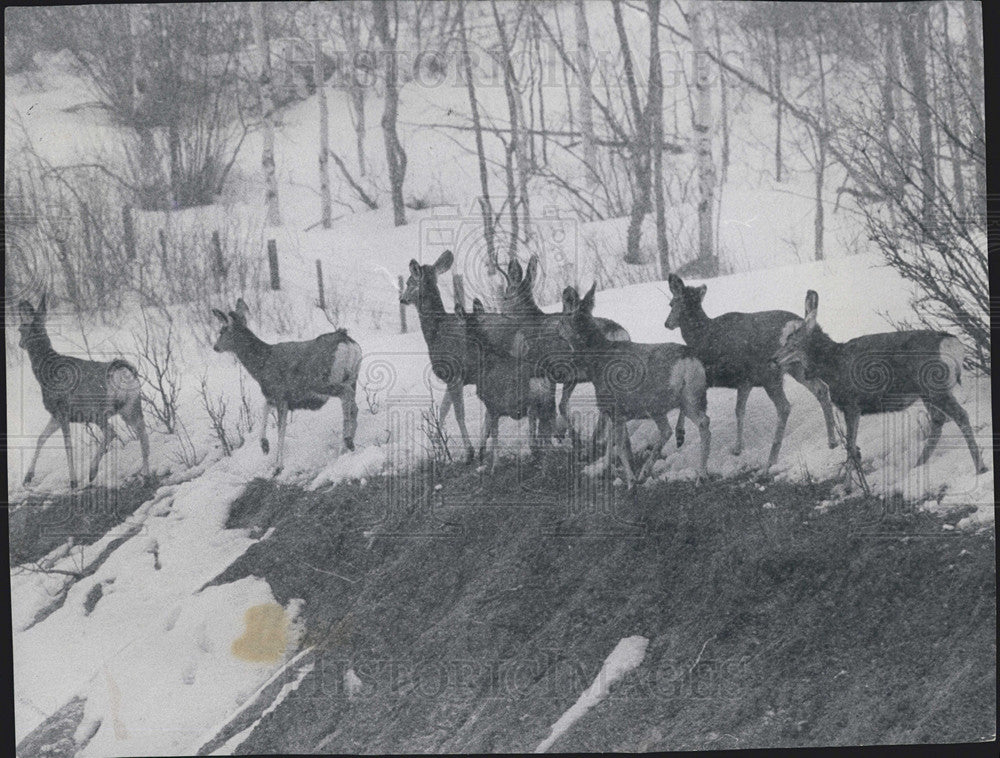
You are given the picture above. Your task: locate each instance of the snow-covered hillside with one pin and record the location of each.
(154, 659)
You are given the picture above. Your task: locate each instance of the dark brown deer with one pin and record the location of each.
(735, 349)
(77, 391)
(294, 375)
(637, 381)
(455, 358)
(506, 387)
(547, 348)
(882, 373)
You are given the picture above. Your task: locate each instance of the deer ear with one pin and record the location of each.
(570, 299)
(477, 307)
(701, 292)
(588, 300)
(221, 316)
(812, 306)
(514, 272)
(40, 312)
(443, 263)
(532, 272)
(414, 267)
(676, 284)
(460, 309)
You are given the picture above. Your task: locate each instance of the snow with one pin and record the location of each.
(627, 655)
(153, 658)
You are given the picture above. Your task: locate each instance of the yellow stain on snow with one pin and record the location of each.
(266, 634)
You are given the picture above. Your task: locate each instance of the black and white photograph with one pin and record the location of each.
(486, 376)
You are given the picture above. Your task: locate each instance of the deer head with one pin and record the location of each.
(236, 320)
(685, 301)
(577, 322)
(423, 278)
(32, 321)
(795, 336)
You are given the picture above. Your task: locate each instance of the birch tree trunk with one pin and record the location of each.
(150, 180)
(639, 148)
(485, 205)
(319, 78)
(913, 31)
(585, 94)
(265, 95)
(655, 107)
(974, 49)
(703, 138)
(779, 102)
(350, 27)
(395, 156)
(958, 180)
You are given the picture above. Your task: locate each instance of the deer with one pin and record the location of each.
(78, 391)
(882, 373)
(294, 375)
(735, 349)
(454, 356)
(506, 387)
(545, 353)
(635, 380)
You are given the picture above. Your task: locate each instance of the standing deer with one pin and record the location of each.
(77, 391)
(506, 387)
(735, 349)
(294, 375)
(637, 381)
(454, 356)
(882, 373)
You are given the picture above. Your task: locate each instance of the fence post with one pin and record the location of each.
(402, 308)
(459, 287)
(218, 262)
(163, 248)
(319, 284)
(272, 260)
(129, 232)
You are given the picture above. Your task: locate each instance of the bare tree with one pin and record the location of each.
(585, 95)
(265, 94)
(319, 77)
(655, 107)
(358, 63)
(703, 138)
(913, 41)
(485, 204)
(394, 153)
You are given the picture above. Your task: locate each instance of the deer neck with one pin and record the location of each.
(430, 310)
(40, 350)
(694, 324)
(251, 350)
(825, 355)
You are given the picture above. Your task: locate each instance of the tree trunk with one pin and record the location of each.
(265, 95)
(655, 107)
(723, 100)
(779, 103)
(958, 180)
(974, 49)
(639, 148)
(703, 136)
(485, 205)
(350, 29)
(821, 139)
(586, 94)
(319, 78)
(150, 180)
(517, 136)
(913, 35)
(395, 156)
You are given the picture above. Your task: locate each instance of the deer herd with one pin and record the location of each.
(517, 356)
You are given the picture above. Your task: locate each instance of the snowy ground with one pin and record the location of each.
(154, 658)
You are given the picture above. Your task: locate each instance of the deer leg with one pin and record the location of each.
(458, 400)
(620, 431)
(777, 394)
(567, 424)
(350, 408)
(954, 409)
(938, 417)
(265, 446)
(64, 425)
(663, 424)
(696, 413)
(821, 390)
(494, 433)
(48, 431)
(282, 426)
(851, 421)
(102, 448)
(742, 393)
(137, 423)
(487, 425)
